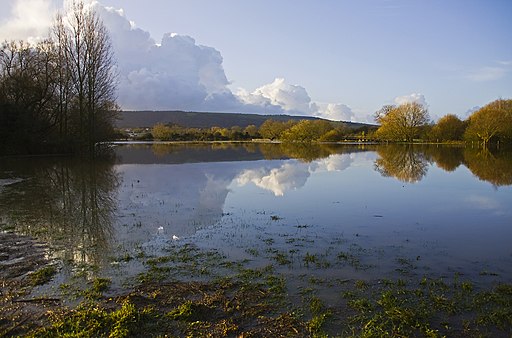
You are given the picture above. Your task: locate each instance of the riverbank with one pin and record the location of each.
(258, 240)
(217, 297)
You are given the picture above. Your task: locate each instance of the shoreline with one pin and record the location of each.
(227, 298)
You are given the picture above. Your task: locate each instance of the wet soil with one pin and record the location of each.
(21, 257)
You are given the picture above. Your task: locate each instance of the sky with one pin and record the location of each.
(336, 59)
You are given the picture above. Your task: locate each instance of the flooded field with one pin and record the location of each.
(321, 218)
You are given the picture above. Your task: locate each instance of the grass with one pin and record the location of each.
(248, 303)
(190, 292)
(43, 275)
(430, 309)
(91, 320)
(97, 288)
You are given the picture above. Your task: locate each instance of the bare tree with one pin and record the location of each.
(59, 94)
(63, 77)
(89, 62)
(26, 94)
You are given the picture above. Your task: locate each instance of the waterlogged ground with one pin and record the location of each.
(264, 240)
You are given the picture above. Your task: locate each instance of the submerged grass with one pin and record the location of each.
(189, 292)
(432, 308)
(43, 275)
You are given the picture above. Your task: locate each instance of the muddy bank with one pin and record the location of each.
(24, 263)
(20, 256)
(192, 292)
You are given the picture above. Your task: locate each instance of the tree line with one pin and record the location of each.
(59, 95)
(287, 131)
(410, 121)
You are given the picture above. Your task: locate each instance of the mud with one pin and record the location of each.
(20, 257)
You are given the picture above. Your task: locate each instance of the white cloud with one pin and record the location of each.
(29, 20)
(279, 97)
(505, 63)
(174, 73)
(289, 97)
(335, 111)
(411, 98)
(499, 70)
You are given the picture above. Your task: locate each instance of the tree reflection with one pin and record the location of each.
(402, 162)
(307, 152)
(409, 163)
(491, 166)
(197, 152)
(446, 157)
(67, 203)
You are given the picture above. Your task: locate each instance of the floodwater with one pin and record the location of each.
(326, 211)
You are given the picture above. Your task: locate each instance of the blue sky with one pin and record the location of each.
(354, 55)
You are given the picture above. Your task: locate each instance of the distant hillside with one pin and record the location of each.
(135, 119)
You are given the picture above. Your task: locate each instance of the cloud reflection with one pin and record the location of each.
(292, 174)
(278, 180)
(484, 203)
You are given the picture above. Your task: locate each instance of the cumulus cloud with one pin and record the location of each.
(29, 20)
(175, 72)
(411, 98)
(279, 97)
(335, 111)
(178, 73)
(292, 98)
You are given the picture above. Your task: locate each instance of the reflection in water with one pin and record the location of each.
(409, 163)
(93, 211)
(67, 203)
(485, 203)
(301, 151)
(220, 152)
(494, 167)
(402, 162)
(160, 201)
(447, 158)
(292, 174)
(197, 152)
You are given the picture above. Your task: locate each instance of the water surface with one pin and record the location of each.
(359, 211)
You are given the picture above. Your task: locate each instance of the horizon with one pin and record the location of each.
(242, 113)
(338, 61)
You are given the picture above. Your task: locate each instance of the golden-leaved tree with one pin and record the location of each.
(448, 128)
(403, 122)
(493, 120)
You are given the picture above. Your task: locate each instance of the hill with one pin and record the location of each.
(147, 119)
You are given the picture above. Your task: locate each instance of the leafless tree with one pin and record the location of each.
(59, 94)
(88, 64)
